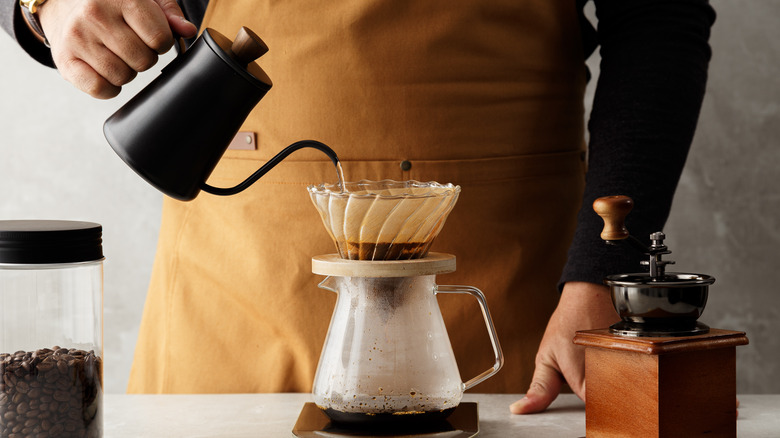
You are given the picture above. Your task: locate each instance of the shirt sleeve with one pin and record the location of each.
(654, 60)
(12, 22)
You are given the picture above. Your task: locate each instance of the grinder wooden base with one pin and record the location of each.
(660, 387)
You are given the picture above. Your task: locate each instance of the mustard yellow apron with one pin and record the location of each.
(484, 94)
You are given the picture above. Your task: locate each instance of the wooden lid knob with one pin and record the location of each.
(613, 209)
(247, 46)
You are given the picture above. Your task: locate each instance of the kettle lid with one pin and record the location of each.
(240, 54)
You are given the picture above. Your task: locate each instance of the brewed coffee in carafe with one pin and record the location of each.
(373, 363)
(387, 358)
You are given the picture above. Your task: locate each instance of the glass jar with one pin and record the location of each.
(51, 329)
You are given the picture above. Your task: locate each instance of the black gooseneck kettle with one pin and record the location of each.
(174, 131)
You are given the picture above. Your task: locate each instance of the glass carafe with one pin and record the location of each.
(387, 357)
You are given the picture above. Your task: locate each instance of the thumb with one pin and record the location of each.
(545, 387)
(179, 24)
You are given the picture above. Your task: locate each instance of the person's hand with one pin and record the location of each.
(583, 306)
(100, 45)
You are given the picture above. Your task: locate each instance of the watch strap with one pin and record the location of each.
(34, 23)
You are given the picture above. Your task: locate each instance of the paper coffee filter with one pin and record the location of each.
(384, 220)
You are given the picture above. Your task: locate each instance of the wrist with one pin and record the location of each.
(589, 301)
(583, 291)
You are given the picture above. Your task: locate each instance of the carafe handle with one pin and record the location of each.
(476, 293)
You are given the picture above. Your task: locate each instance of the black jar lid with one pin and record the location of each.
(49, 241)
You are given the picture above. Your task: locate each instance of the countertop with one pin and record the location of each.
(274, 415)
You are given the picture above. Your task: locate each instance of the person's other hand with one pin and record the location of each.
(100, 45)
(583, 306)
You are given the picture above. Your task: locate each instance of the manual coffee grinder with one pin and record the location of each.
(387, 367)
(658, 372)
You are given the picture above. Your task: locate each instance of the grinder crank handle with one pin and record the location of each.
(613, 210)
(499, 355)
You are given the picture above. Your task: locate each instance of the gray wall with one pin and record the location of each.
(726, 214)
(54, 163)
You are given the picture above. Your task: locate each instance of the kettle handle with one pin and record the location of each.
(499, 356)
(269, 165)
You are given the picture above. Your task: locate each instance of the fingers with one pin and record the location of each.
(148, 22)
(582, 306)
(127, 47)
(93, 68)
(545, 387)
(100, 45)
(86, 79)
(176, 19)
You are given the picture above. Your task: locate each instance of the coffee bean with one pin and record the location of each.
(32, 413)
(22, 387)
(46, 365)
(21, 408)
(53, 392)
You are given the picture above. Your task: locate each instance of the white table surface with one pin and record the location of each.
(274, 415)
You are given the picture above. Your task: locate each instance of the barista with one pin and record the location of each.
(487, 95)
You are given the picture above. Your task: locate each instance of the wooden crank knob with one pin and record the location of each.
(247, 46)
(613, 209)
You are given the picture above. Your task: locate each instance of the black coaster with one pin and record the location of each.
(462, 423)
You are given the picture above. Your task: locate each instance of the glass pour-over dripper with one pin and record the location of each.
(384, 220)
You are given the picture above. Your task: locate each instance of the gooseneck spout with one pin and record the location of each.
(270, 164)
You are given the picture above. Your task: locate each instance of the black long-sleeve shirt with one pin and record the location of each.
(654, 60)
